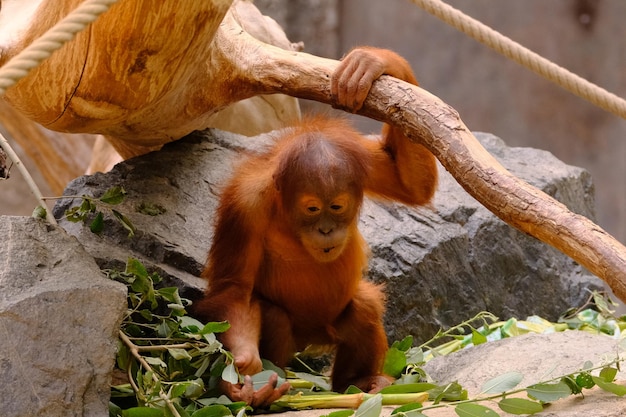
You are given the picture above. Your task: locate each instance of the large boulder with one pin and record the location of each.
(59, 318)
(539, 358)
(440, 264)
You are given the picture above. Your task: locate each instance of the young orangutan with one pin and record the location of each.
(287, 260)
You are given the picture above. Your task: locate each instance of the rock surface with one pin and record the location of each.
(538, 358)
(440, 265)
(59, 319)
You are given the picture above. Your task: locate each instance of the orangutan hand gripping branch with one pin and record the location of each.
(287, 260)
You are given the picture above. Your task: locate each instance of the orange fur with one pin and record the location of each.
(287, 260)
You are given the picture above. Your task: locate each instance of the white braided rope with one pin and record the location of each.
(523, 56)
(33, 55)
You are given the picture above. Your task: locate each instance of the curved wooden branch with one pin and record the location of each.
(145, 100)
(428, 120)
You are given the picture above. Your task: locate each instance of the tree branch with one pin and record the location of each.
(429, 121)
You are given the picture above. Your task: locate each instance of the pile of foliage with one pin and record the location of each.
(172, 364)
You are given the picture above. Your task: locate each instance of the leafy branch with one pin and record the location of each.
(91, 210)
(171, 361)
(172, 364)
(597, 317)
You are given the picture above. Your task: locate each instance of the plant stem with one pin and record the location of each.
(4, 143)
(72, 197)
(134, 350)
(164, 347)
(482, 315)
(505, 394)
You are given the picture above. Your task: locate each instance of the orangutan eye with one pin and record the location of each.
(336, 207)
(313, 209)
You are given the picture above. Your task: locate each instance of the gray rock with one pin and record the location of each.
(444, 266)
(538, 358)
(440, 266)
(59, 318)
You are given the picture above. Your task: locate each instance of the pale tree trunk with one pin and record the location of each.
(143, 86)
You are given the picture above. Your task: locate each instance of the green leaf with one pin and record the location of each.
(474, 410)
(520, 406)
(451, 392)
(242, 411)
(414, 355)
(319, 381)
(372, 407)
(584, 380)
(146, 314)
(182, 412)
(179, 354)
(123, 356)
(74, 215)
(39, 212)
(134, 267)
(166, 328)
(353, 390)
(229, 374)
(408, 388)
(478, 338)
(125, 222)
(97, 225)
(404, 344)
(142, 285)
(154, 361)
(395, 361)
(340, 413)
(611, 387)
(114, 409)
(143, 412)
(502, 383)
(195, 388)
(170, 294)
(409, 410)
(608, 374)
(571, 383)
(269, 366)
(215, 327)
(549, 392)
(261, 379)
(190, 324)
(216, 410)
(114, 195)
(510, 328)
(178, 389)
(87, 206)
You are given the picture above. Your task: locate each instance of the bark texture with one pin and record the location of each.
(159, 80)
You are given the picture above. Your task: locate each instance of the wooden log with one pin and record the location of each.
(436, 125)
(143, 74)
(177, 68)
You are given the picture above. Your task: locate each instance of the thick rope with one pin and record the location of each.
(33, 55)
(523, 56)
